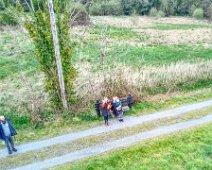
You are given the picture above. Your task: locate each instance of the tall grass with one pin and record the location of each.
(122, 80)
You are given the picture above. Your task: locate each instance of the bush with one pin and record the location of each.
(160, 14)
(209, 12)
(2, 5)
(79, 16)
(198, 13)
(106, 8)
(96, 10)
(192, 9)
(10, 16)
(113, 8)
(153, 12)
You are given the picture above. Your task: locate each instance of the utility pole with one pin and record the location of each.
(57, 53)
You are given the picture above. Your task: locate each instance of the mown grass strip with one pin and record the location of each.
(121, 33)
(162, 26)
(184, 150)
(59, 150)
(157, 55)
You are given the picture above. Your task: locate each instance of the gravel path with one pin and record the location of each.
(98, 149)
(128, 122)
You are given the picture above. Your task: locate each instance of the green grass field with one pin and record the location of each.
(186, 150)
(16, 54)
(150, 55)
(124, 46)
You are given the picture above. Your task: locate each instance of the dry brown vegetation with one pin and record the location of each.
(191, 36)
(143, 22)
(123, 79)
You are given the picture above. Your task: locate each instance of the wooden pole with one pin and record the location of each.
(57, 53)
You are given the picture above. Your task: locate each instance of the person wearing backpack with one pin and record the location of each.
(105, 109)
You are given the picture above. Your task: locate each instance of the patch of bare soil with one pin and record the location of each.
(178, 36)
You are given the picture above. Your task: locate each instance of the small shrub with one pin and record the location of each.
(166, 7)
(95, 10)
(198, 13)
(109, 8)
(10, 16)
(20, 121)
(153, 12)
(2, 5)
(112, 8)
(209, 12)
(192, 9)
(160, 14)
(79, 16)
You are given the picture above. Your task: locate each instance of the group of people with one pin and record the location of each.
(111, 107)
(7, 131)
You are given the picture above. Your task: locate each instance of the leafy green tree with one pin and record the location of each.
(153, 12)
(10, 16)
(2, 5)
(155, 3)
(209, 12)
(205, 4)
(198, 13)
(39, 28)
(166, 7)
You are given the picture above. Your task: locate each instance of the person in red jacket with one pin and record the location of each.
(105, 109)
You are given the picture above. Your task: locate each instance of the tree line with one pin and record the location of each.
(128, 7)
(143, 7)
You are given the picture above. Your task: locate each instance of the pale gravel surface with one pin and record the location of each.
(114, 125)
(124, 142)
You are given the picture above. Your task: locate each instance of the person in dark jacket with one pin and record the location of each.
(7, 131)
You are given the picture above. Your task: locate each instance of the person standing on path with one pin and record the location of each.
(7, 131)
(105, 108)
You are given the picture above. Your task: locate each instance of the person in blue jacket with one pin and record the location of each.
(118, 108)
(7, 131)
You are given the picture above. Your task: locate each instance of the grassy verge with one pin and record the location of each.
(149, 106)
(191, 149)
(161, 26)
(60, 125)
(62, 149)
